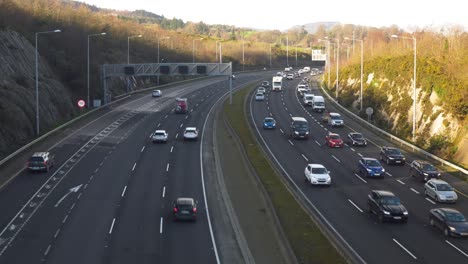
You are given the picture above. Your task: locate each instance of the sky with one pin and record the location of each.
(282, 15)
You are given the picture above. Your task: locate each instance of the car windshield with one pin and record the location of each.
(159, 134)
(319, 171)
(372, 163)
(428, 167)
(454, 217)
(185, 207)
(40, 159)
(334, 137)
(301, 125)
(269, 120)
(335, 117)
(444, 187)
(357, 136)
(394, 151)
(260, 94)
(319, 103)
(390, 200)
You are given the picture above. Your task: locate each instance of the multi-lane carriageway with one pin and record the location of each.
(109, 197)
(343, 206)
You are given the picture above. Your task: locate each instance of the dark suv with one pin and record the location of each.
(185, 209)
(392, 156)
(424, 170)
(41, 161)
(386, 206)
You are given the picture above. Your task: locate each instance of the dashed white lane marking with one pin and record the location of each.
(176, 135)
(64, 219)
(388, 174)
(112, 226)
(407, 251)
(159, 125)
(281, 130)
(360, 178)
(271, 114)
(164, 192)
(352, 149)
(290, 114)
(335, 158)
(142, 149)
(401, 182)
(167, 167)
(134, 165)
(305, 157)
(357, 207)
(317, 143)
(290, 142)
(455, 247)
(166, 116)
(57, 233)
(161, 226)
(123, 191)
(182, 124)
(172, 148)
(46, 252)
(414, 190)
(186, 117)
(429, 200)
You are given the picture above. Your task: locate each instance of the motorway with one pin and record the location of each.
(108, 199)
(342, 207)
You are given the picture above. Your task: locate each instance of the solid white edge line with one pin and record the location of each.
(161, 226)
(455, 247)
(414, 190)
(360, 178)
(357, 207)
(112, 226)
(407, 251)
(164, 192)
(123, 191)
(305, 157)
(134, 165)
(401, 182)
(335, 158)
(327, 223)
(429, 200)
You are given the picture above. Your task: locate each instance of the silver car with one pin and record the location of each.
(440, 191)
(159, 136)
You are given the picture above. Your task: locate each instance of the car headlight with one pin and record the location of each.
(296, 132)
(391, 158)
(387, 213)
(405, 212)
(307, 132)
(425, 174)
(383, 170)
(438, 174)
(452, 228)
(368, 170)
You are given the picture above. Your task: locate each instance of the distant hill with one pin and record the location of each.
(312, 28)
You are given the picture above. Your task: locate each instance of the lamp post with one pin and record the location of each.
(270, 55)
(328, 59)
(362, 68)
(337, 63)
(193, 49)
(216, 50)
(287, 51)
(37, 77)
(414, 83)
(91, 35)
(158, 45)
(128, 46)
(243, 58)
(296, 55)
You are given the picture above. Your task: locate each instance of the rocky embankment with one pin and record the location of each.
(18, 94)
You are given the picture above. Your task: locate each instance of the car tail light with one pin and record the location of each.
(175, 210)
(195, 210)
(45, 163)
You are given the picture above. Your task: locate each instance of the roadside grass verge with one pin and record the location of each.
(304, 236)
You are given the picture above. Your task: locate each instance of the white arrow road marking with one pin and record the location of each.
(72, 190)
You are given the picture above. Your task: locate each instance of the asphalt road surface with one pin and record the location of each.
(344, 204)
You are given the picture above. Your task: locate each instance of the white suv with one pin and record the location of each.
(159, 136)
(190, 133)
(317, 174)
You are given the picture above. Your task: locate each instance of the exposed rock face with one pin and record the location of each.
(18, 93)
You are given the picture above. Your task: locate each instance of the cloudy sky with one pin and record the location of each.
(261, 14)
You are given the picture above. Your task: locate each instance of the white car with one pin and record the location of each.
(317, 174)
(440, 191)
(190, 133)
(159, 136)
(156, 93)
(261, 90)
(290, 76)
(259, 97)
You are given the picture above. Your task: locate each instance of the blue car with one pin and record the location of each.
(370, 167)
(269, 123)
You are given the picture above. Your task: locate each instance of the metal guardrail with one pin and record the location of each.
(392, 137)
(25, 147)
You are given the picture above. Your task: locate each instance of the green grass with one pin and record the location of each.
(306, 239)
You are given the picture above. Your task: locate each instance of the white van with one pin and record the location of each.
(318, 103)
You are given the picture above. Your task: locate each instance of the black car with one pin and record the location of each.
(185, 209)
(424, 170)
(386, 206)
(356, 139)
(392, 156)
(450, 221)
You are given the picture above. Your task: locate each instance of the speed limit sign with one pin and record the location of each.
(81, 103)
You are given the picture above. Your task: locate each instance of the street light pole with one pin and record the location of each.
(337, 64)
(414, 83)
(362, 67)
(270, 55)
(287, 51)
(37, 77)
(193, 49)
(328, 59)
(92, 35)
(296, 55)
(243, 58)
(128, 46)
(158, 45)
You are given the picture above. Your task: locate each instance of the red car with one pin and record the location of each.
(334, 140)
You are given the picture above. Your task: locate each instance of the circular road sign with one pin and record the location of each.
(81, 103)
(369, 110)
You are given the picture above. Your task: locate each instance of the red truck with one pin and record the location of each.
(181, 106)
